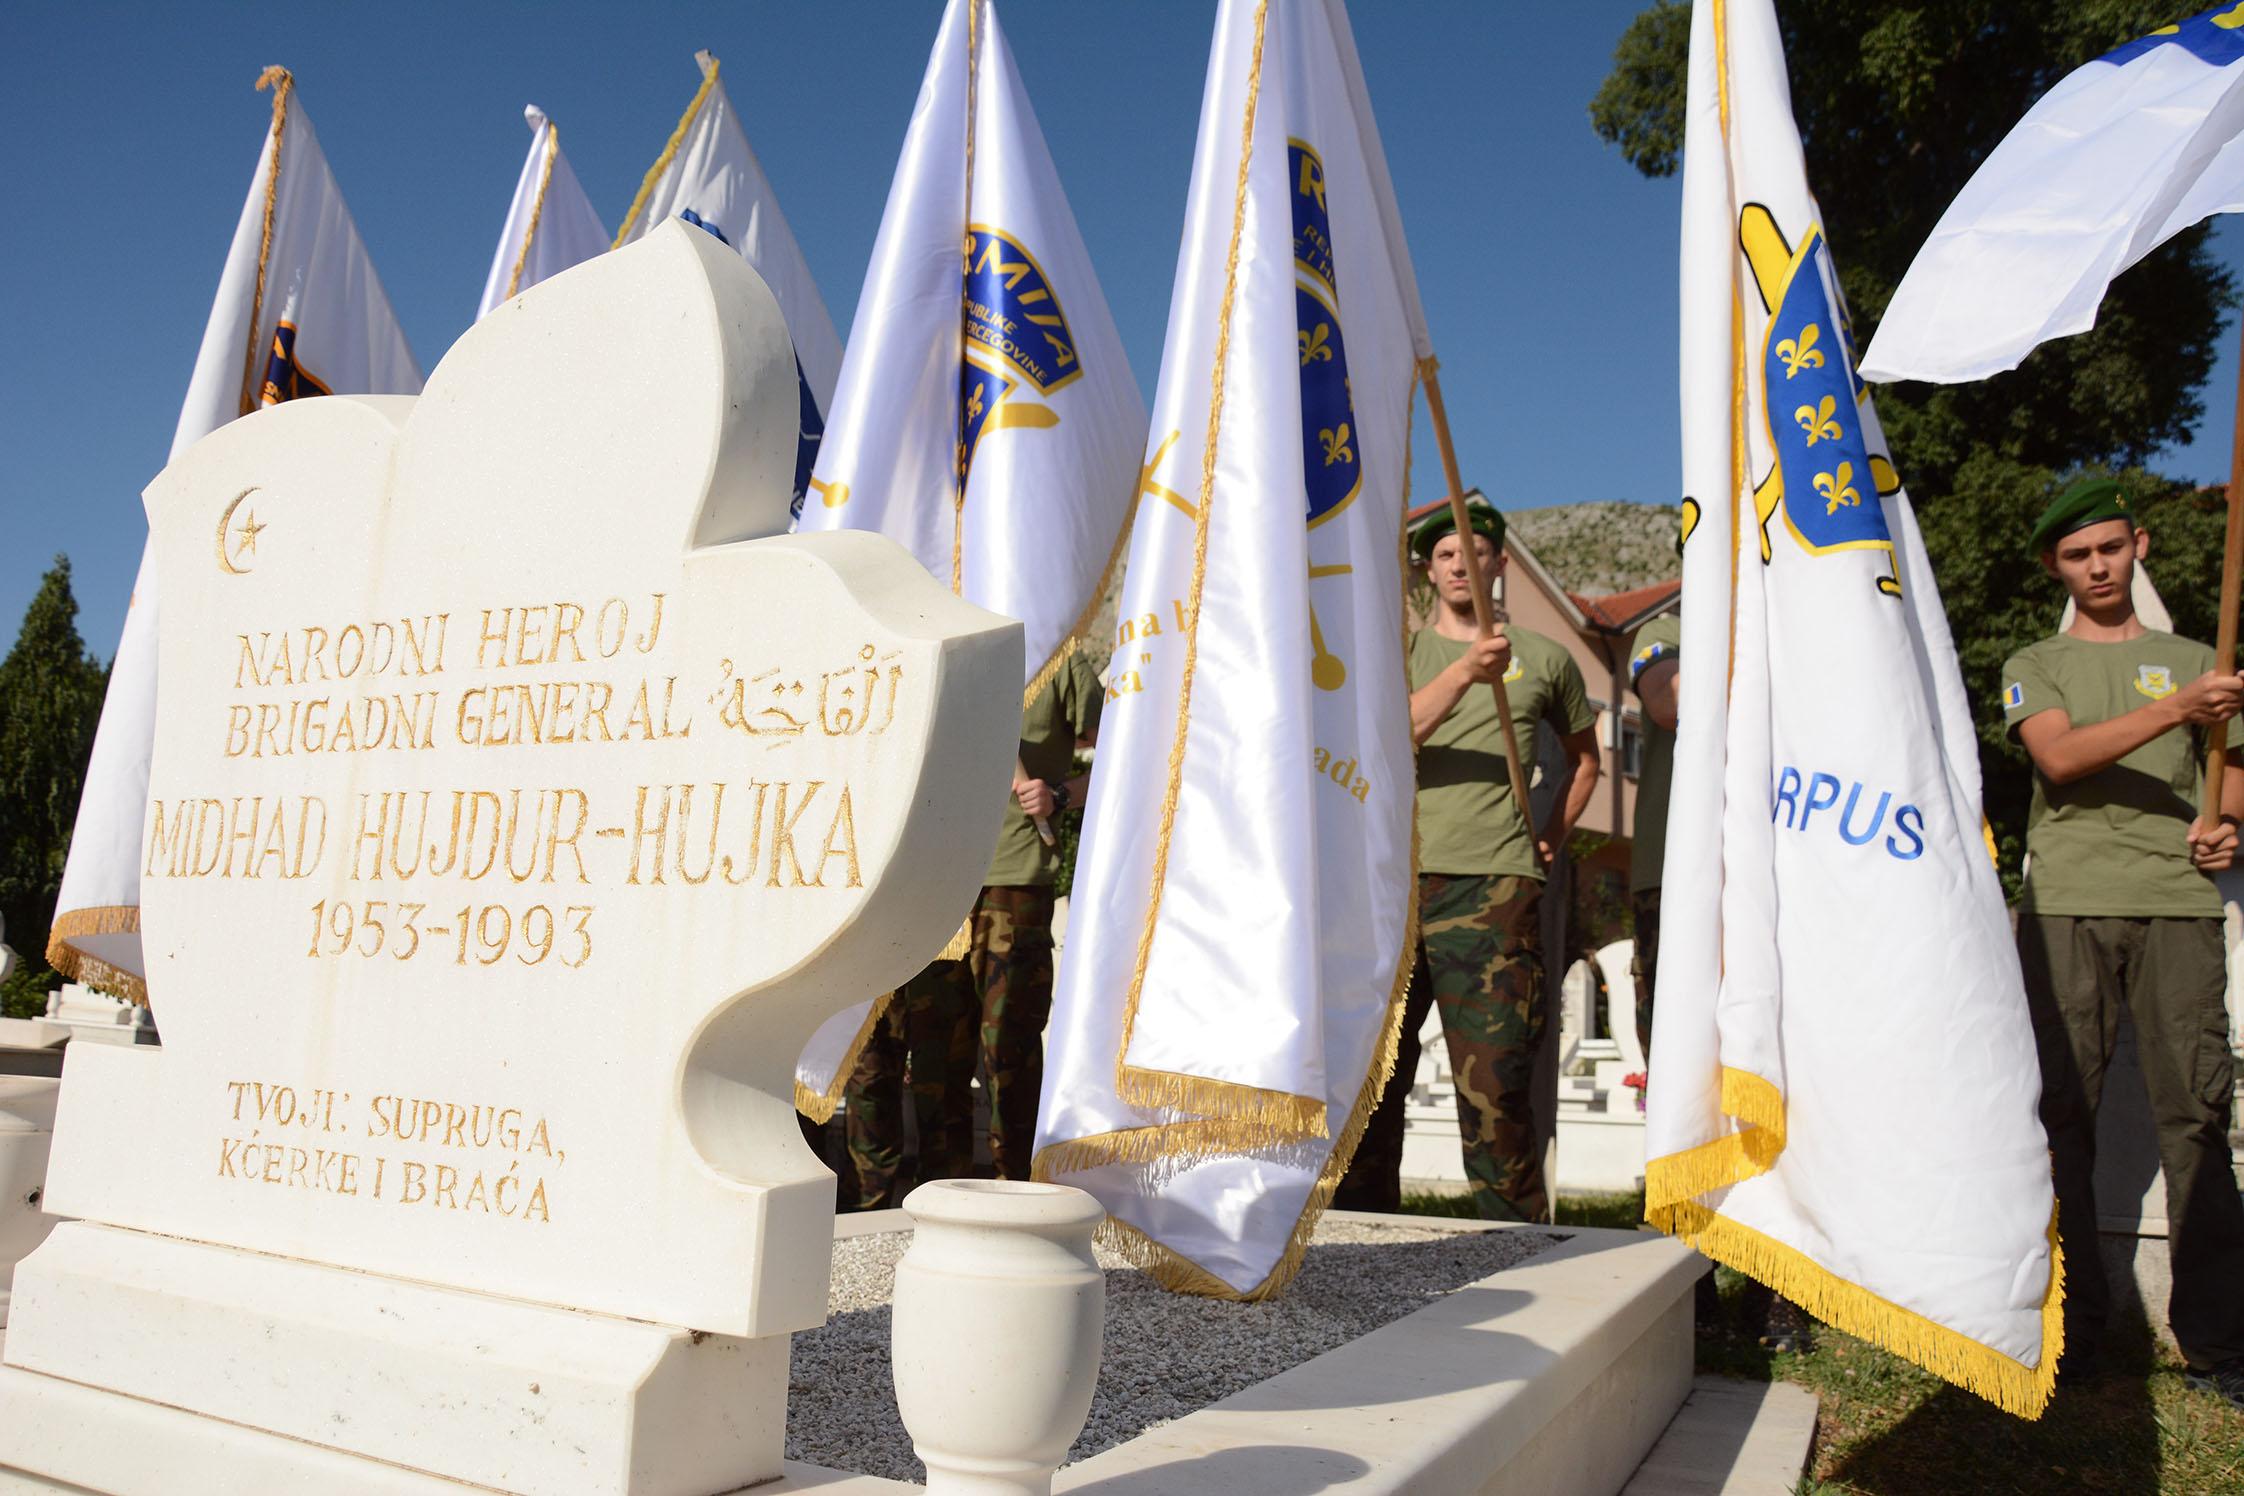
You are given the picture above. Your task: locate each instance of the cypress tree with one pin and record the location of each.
(50, 704)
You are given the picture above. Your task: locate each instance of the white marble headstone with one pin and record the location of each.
(523, 797)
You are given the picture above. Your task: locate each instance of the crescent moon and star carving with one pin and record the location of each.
(233, 560)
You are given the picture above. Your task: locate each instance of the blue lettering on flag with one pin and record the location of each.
(1330, 460)
(1830, 498)
(1013, 311)
(1796, 800)
(2216, 37)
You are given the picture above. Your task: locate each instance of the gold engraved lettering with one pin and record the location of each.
(783, 835)
(748, 863)
(841, 841)
(685, 821)
(640, 833)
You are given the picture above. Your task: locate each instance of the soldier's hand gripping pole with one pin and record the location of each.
(1484, 612)
(1043, 826)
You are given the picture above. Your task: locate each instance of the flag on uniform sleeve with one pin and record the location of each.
(2123, 154)
(550, 225)
(299, 312)
(708, 176)
(986, 418)
(1843, 1087)
(1241, 925)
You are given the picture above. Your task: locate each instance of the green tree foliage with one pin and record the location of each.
(1897, 104)
(50, 703)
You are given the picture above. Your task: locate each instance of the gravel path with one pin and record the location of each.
(841, 1405)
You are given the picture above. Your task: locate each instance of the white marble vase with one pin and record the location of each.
(999, 1311)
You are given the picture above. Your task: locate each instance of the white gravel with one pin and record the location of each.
(1165, 1354)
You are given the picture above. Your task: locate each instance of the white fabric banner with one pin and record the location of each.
(2123, 154)
(1844, 1084)
(550, 224)
(986, 418)
(710, 177)
(1241, 926)
(306, 317)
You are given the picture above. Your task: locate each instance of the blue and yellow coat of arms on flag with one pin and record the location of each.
(1334, 469)
(285, 378)
(1015, 326)
(2215, 36)
(1826, 482)
(810, 424)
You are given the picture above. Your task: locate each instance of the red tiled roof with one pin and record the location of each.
(1619, 609)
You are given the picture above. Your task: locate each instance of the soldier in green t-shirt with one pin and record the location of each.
(2120, 909)
(995, 1000)
(1480, 880)
(1653, 665)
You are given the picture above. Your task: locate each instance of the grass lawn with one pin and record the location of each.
(1884, 1428)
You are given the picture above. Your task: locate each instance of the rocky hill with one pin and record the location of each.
(1601, 547)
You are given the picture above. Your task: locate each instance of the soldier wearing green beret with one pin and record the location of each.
(2120, 909)
(1480, 879)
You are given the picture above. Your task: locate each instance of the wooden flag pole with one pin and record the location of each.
(2232, 565)
(1484, 612)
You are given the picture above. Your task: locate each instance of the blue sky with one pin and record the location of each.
(130, 132)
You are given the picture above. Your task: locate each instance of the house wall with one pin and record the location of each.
(1530, 606)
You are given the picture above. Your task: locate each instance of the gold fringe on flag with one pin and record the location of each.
(819, 1106)
(537, 206)
(670, 149)
(2010, 1385)
(282, 83)
(76, 966)
(1758, 1108)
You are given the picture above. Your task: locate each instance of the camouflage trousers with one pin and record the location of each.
(1644, 966)
(1480, 958)
(992, 1005)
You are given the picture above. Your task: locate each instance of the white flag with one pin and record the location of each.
(1843, 1087)
(299, 312)
(1241, 928)
(986, 418)
(708, 176)
(550, 225)
(2119, 157)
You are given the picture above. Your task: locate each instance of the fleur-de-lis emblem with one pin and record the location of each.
(1315, 345)
(1817, 422)
(1838, 488)
(1336, 444)
(974, 403)
(1802, 354)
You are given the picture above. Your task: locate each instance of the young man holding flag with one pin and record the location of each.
(1480, 880)
(2120, 910)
